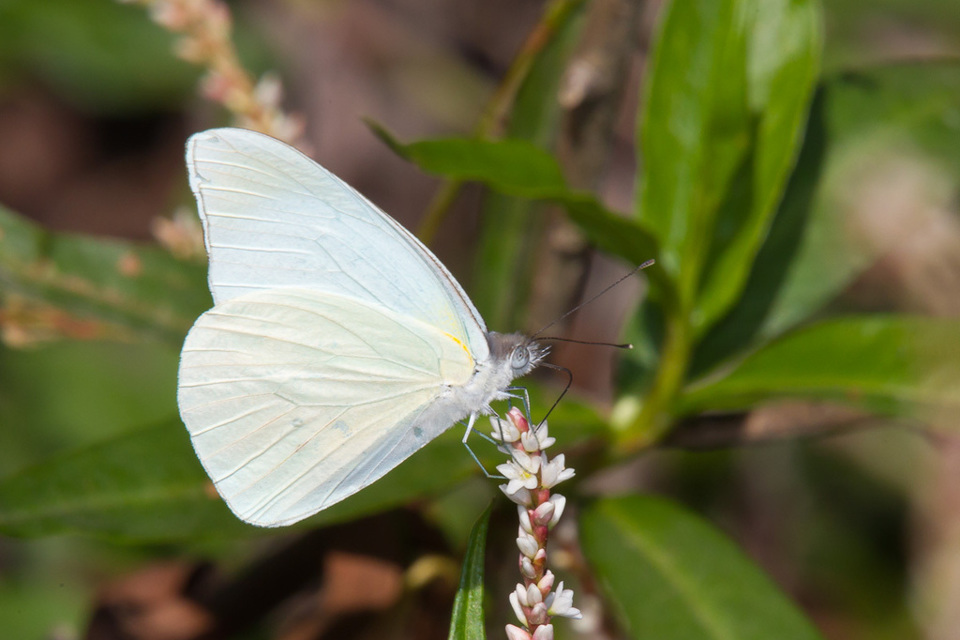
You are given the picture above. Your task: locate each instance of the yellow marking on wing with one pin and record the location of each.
(462, 346)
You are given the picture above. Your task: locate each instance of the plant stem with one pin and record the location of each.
(495, 111)
(655, 416)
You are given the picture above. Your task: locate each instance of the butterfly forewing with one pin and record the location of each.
(274, 218)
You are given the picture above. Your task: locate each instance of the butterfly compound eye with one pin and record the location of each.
(520, 357)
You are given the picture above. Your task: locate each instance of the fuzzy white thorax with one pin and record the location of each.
(512, 355)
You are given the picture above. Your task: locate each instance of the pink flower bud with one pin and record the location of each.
(528, 545)
(546, 582)
(517, 418)
(527, 570)
(543, 514)
(538, 614)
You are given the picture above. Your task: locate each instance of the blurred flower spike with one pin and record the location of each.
(530, 477)
(205, 28)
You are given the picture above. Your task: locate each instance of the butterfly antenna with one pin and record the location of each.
(566, 388)
(583, 304)
(615, 345)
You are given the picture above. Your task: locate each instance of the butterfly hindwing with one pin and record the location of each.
(295, 398)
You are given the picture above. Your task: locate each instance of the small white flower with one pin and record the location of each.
(559, 502)
(527, 544)
(541, 556)
(554, 472)
(503, 430)
(530, 441)
(543, 436)
(560, 603)
(516, 633)
(269, 90)
(543, 632)
(518, 477)
(169, 15)
(527, 462)
(517, 609)
(520, 496)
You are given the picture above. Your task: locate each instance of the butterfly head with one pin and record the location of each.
(518, 352)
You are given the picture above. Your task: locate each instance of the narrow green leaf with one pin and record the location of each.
(467, 622)
(897, 365)
(725, 104)
(783, 50)
(619, 236)
(103, 287)
(516, 167)
(773, 263)
(672, 576)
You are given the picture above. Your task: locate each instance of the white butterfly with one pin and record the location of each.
(338, 344)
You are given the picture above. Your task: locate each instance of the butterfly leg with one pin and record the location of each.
(521, 393)
(472, 420)
(470, 429)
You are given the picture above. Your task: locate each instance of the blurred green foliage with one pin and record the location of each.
(747, 150)
(77, 48)
(695, 583)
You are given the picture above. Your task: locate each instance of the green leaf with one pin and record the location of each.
(149, 485)
(146, 485)
(904, 111)
(810, 256)
(46, 587)
(516, 167)
(896, 365)
(72, 393)
(725, 104)
(467, 622)
(672, 576)
(92, 287)
(84, 51)
(775, 260)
